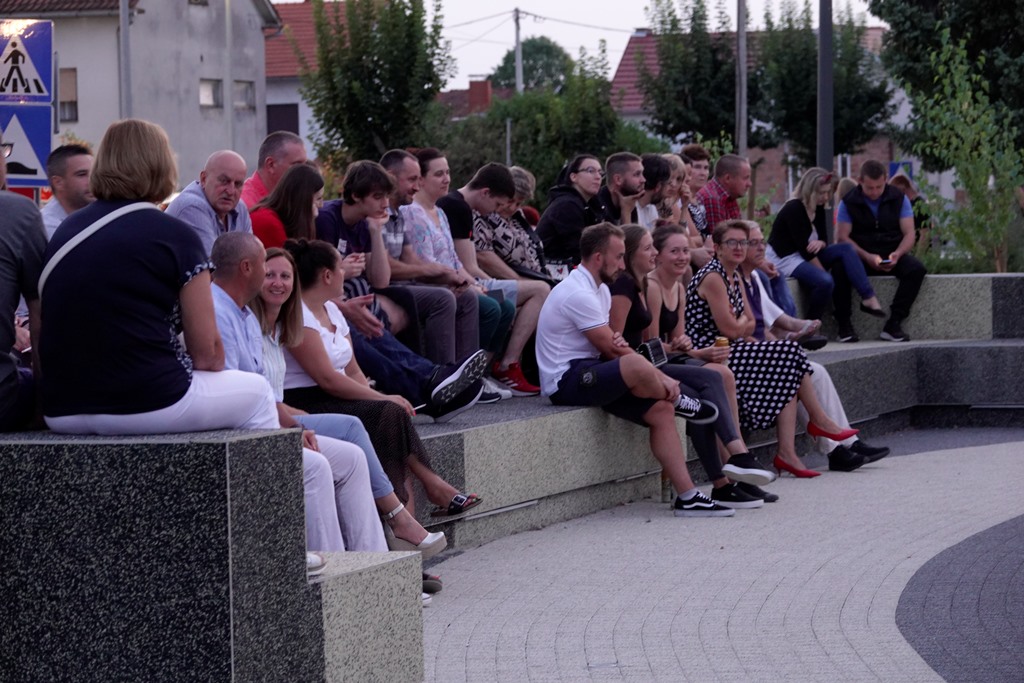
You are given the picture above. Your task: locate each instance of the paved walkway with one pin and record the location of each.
(805, 589)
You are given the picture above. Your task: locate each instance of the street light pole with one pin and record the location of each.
(741, 78)
(825, 142)
(519, 55)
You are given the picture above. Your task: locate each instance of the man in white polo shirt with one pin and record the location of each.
(582, 362)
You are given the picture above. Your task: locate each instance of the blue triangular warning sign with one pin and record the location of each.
(18, 75)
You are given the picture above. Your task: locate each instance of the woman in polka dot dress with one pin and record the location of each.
(770, 375)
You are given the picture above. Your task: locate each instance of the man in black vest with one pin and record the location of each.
(878, 221)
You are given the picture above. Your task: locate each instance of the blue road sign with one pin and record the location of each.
(904, 167)
(26, 61)
(29, 128)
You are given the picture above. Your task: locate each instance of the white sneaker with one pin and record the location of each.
(315, 563)
(497, 388)
(427, 598)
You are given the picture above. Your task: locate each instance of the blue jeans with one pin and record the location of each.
(782, 296)
(495, 322)
(820, 285)
(350, 429)
(395, 368)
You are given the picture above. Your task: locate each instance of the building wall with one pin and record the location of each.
(173, 45)
(89, 44)
(286, 91)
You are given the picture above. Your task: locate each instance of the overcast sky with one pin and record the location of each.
(482, 32)
(479, 47)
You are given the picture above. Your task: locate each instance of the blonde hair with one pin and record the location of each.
(289, 320)
(845, 185)
(134, 161)
(810, 184)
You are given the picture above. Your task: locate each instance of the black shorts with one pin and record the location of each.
(596, 382)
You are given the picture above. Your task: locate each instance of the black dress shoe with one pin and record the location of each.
(870, 453)
(842, 460)
(814, 342)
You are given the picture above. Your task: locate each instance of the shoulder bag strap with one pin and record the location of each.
(86, 234)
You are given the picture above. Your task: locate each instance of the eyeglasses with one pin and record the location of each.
(595, 171)
(8, 147)
(757, 243)
(732, 244)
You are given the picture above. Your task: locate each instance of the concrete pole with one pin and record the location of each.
(741, 78)
(124, 55)
(519, 55)
(229, 77)
(825, 142)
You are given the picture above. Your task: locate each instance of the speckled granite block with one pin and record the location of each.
(1007, 313)
(509, 463)
(982, 306)
(990, 373)
(372, 623)
(880, 382)
(171, 557)
(551, 509)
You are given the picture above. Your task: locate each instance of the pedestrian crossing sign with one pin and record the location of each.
(26, 61)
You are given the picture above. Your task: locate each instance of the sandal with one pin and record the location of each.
(461, 502)
(431, 584)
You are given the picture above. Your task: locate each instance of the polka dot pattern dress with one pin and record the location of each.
(768, 374)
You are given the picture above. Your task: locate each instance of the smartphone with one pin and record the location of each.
(886, 262)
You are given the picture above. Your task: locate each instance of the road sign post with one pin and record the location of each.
(26, 98)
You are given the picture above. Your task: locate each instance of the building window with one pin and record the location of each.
(245, 95)
(204, 3)
(210, 93)
(67, 105)
(282, 117)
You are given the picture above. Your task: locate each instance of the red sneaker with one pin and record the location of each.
(514, 380)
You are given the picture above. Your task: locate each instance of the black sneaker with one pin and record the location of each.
(732, 496)
(847, 334)
(696, 411)
(745, 467)
(893, 332)
(870, 453)
(700, 506)
(489, 397)
(452, 380)
(842, 460)
(757, 492)
(460, 404)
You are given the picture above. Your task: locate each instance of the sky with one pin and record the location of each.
(482, 32)
(478, 47)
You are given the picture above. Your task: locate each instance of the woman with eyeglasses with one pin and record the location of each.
(798, 246)
(769, 374)
(572, 206)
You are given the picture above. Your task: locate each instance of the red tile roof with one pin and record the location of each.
(297, 20)
(47, 6)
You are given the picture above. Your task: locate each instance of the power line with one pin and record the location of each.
(477, 21)
(575, 23)
(485, 33)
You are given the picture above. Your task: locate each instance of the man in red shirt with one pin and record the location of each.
(731, 181)
(279, 151)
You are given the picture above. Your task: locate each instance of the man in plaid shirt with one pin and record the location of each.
(731, 181)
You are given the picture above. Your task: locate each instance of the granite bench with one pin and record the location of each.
(182, 557)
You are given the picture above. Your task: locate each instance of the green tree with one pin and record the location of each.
(378, 70)
(786, 79)
(691, 91)
(547, 128)
(545, 65)
(993, 31)
(960, 127)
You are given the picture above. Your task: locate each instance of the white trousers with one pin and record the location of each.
(828, 397)
(229, 399)
(340, 510)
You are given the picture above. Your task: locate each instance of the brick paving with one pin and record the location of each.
(805, 589)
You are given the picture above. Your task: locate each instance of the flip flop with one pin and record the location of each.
(461, 502)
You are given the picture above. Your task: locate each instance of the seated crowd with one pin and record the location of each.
(250, 302)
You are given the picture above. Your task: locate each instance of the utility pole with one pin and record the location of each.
(228, 91)
(519, 54)
(125, 58)
(741, 78)
(825, 141)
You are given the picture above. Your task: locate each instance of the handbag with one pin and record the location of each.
(654, 351)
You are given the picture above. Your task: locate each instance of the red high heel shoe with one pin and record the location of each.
(815, 430)
(783, 466)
